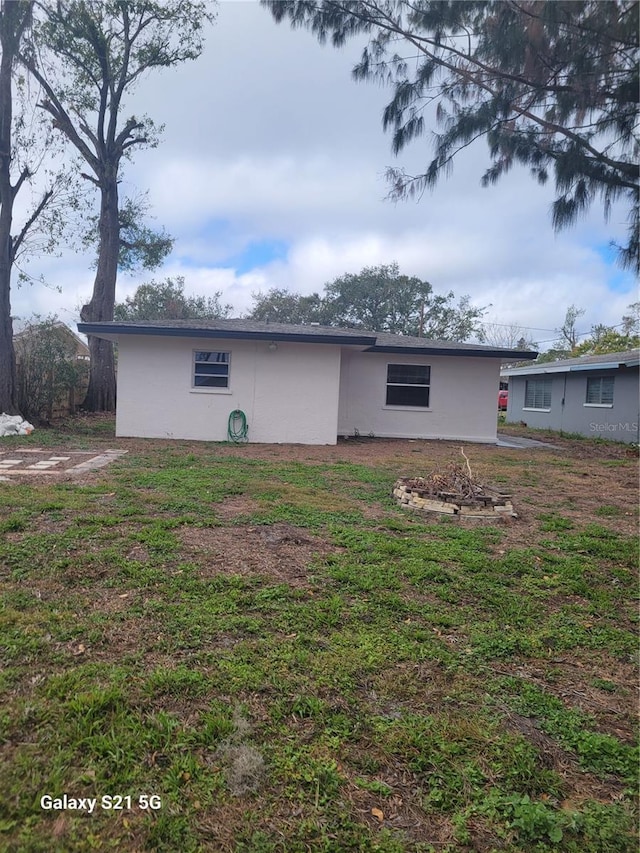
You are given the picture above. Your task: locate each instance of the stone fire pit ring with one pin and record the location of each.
(418, 494)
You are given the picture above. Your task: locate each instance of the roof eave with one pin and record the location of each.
(111, 332)
(568, 368)
(504, 355)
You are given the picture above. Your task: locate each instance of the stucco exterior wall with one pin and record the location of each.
(289, 395)
(462, 400)
(568, 412)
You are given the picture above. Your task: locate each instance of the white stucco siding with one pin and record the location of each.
(462, 398)
(288, 395)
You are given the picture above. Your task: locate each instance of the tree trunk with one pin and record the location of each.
(101, 393)
(7, 356)
(8, 28)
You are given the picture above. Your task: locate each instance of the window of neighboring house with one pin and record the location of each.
(537, 394)
(211, 369)
(408, 385)
(599, 391)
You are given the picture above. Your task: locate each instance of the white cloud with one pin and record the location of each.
(273, 194)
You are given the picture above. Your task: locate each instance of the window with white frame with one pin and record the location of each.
(537, 394)
(211, 369)
(599, 391)
(408, 385)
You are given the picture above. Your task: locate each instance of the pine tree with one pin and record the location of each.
(551, 84)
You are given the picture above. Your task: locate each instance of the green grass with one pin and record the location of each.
(387, 684)
(600, 753)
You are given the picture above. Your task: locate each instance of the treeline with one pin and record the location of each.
(379, 298)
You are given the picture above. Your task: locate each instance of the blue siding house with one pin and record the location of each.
(595, 395)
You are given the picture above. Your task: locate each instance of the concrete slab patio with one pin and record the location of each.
(28, 462)
(514, 442)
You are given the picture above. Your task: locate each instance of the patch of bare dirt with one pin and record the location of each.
(371, 511)
(110, 600)
(234, 506)
(282, 552)
(138, 552)
(399, 810)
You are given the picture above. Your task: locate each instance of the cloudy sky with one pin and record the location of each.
(270, 173)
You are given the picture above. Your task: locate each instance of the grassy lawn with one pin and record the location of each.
(260, 639)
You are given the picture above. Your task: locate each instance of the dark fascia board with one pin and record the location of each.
(457, 351)
(110, 331)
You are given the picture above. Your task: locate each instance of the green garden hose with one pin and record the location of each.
(238, 429)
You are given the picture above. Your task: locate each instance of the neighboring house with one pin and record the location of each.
(40, 382)
(299, 384)
(594, 395)
(73, 342)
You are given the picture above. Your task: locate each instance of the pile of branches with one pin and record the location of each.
(453, 480)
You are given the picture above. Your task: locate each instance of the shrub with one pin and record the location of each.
(51, 371)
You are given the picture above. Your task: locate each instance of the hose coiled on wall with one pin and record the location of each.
(237, 429)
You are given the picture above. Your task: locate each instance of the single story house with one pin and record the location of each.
(304, 384)
(593, 395)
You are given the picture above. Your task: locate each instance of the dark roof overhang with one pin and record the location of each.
(113, 330)
(471, 352)
(239, 329)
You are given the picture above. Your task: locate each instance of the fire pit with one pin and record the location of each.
(453, 491)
